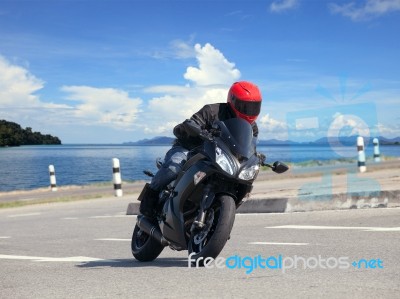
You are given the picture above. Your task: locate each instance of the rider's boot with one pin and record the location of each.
(148, 199)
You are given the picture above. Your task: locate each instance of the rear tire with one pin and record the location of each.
(144, 248)
(210, 241)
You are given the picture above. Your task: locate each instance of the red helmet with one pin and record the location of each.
(245, 100)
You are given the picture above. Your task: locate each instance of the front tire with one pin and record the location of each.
(144, 248)
(211, 239)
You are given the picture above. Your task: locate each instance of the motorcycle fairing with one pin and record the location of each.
(236, 137)
(172, 226)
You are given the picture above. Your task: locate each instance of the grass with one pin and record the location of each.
(21, 203)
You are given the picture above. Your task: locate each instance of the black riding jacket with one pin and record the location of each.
(204, 118)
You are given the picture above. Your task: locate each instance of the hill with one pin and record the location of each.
(12, 134)
(162, 140)
(352, 140)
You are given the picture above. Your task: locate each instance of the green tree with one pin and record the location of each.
(11, 134)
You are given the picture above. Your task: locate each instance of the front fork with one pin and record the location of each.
(205, 204)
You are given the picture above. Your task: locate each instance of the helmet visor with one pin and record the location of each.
(249, 108)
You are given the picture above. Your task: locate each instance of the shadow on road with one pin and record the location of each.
(129, 263)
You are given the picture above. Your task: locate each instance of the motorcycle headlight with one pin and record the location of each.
(224, 162)
(249, 173)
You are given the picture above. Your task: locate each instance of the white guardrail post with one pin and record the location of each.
(117, 177)
(52, 173)
(377, 155)
(361, 154)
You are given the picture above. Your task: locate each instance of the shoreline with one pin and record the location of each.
(309, 166)
(271, 191)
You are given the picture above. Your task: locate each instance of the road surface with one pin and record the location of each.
(82, 250)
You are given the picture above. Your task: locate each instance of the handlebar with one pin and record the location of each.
(205, 135)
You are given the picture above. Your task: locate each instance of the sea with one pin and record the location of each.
(26, 167)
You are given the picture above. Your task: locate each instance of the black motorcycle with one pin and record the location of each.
(196, 212)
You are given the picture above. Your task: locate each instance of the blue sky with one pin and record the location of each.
(115, 71)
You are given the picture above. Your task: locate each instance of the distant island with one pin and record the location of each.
(161, 140)
(12, 134)
(347, 141)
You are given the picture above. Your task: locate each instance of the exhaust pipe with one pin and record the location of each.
(151, 229)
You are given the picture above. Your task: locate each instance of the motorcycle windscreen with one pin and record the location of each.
(238, 135)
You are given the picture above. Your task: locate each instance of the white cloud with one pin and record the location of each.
(371, 9)
(210, 81)
(96, 107)
(177, 49)
(170, 109)
(18, 101)
(169, 89)
(100, 111)
(270, 123)
(282, 5)
(182, 49)
(105, 106)
(89, 106)
(17, 86)
(213, 67)
(354, 124)
(389, 131)
(271, 128)
(307, 123)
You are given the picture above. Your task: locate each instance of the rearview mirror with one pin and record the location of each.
(279, 167)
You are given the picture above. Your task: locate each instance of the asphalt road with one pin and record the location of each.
(82, 250)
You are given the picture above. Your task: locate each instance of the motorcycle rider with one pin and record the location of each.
(243, 101)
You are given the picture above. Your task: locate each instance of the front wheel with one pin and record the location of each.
(144, 248)
(211, 239)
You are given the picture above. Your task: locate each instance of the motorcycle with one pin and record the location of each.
(196, 211)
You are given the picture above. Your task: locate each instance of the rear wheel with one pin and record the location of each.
(211, 239)
(144, 248)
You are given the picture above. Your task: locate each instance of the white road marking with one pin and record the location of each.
(260, 214)
(69, 218)
(278, 243)
(112, 239)
(385, 229)
(81, 259)
(363, 228)
(5, 237)
(23, 215)
(109, 216)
